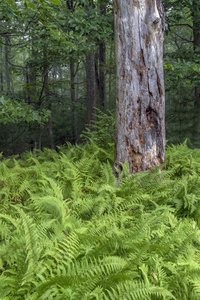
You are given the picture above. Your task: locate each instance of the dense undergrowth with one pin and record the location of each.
(67, 232)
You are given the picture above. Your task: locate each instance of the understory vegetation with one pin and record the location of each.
(67, 231)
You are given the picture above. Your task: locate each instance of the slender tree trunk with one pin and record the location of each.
(27, 85)
(91, 88)
(51, 137)
(32, 76)
(102, 64)
(90, 79)
(140, 100)
(77, 85)
(110, 75)
(196, 47)
(40, 138)
(61, 79)
(1, 69)
(7, 50)
(102, 74)
(73, 99)
(46, 89)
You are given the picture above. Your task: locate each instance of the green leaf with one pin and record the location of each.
(56, 2)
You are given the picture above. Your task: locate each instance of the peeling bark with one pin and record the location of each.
(140, 99)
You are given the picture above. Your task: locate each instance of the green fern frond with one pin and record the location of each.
(137, 291)
(31, 239)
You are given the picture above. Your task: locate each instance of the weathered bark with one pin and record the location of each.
(91, 88)
(140, 99)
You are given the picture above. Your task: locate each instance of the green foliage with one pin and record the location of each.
(101, 131)
(39, 41)
(181, 63)
(12, 111)
(67, 232)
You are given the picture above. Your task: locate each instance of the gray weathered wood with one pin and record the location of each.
(140, 96)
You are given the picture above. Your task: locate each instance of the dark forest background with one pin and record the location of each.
(57, 71)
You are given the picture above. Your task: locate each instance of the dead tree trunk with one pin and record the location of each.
(140, 99)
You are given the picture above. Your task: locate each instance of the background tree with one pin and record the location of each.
(182, 71)
(61, 28)
(68, 36)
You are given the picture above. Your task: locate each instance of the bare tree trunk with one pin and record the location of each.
(140, 99)
(46, 89)
(61, 79)
(1, 69)
(102, 64)
(40, 138)
(90, 79)
(102, 74)
(51, 137)
(77, 85)
(196, 47)
(73, 100)
(7, 50)
(110, 75)
(32, 76)
(91, 88)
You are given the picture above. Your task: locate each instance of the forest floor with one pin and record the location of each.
(67, 231)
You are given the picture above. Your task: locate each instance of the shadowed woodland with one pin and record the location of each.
(57, 66)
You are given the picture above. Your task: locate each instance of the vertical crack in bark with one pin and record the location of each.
(142, 57)
(159, 84)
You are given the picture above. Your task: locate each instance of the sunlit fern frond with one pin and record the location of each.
(31, 239)
(137, 290)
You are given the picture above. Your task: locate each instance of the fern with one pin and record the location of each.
(67, 231)
(137, 291)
